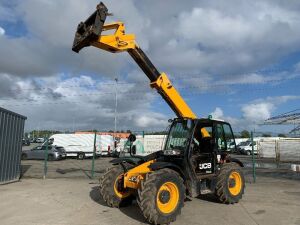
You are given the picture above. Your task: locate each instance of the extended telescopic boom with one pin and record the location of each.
(89, 34)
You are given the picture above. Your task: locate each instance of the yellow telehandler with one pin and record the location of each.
(195, 158)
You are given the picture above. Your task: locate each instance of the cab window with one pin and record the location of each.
(220, 138)
(224, 137)
(229, 138)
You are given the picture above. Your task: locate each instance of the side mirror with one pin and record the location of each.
(132, 138)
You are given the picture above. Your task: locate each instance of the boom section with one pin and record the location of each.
(89, 33)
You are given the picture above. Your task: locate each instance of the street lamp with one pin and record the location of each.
(116, 105)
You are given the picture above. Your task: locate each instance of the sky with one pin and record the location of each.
(235, 60)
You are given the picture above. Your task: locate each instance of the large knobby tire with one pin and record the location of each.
(111, 188)
(230, 184)
(23, 156)
(161, 196)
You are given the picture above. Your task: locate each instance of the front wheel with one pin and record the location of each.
(230, 184)
(161, 196)
(111, 187)
(248, 153)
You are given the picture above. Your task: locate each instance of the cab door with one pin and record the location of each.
(224, 138)
(202, 158)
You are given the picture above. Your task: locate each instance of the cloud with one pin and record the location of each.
(261, 109)
(253, 112)
(257, 112)
(153, 119)
(79, 103)
(219, 43)
(253, 34)
(2, 31)
(217, 114)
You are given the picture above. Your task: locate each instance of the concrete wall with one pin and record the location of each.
(281, 149)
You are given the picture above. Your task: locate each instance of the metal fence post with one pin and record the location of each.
(46, 159)
(94, 152)
(277, 152)
(253, 158)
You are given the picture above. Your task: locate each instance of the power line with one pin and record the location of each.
(143, 91)
(246, 82)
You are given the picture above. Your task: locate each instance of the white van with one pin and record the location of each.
(246, 147)
(82, 145)
(106, 144)
(39, 140)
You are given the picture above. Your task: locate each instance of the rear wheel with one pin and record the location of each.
(161, 196)
(50, 157)
(23, 156)
(112, 190)
(80, 156)
(230, 184)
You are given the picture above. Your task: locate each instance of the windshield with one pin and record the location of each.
(179, 135)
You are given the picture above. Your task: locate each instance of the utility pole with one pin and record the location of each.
(116, 105)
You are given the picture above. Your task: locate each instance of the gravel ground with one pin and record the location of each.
(77, 201)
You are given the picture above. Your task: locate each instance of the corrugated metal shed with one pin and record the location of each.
(11, 134)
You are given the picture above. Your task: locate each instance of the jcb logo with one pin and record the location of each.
(204, 166)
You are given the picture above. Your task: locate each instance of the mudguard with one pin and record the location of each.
(161, 165)
(130, 160)
(236, 161)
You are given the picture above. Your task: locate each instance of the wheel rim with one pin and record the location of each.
(118, 192)
(167, 197)
(235, 183)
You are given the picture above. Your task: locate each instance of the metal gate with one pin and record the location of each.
(11, 133)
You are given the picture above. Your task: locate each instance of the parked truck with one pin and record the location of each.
(82, 145)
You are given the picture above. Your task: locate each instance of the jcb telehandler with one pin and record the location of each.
(195, 157)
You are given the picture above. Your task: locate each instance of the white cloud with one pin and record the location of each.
(2, 31)
(153, 119)
(254, 112)
(252, 33)
(261, 109)
(257, 112)
(203, 38)
(217, 114)
(79, 103)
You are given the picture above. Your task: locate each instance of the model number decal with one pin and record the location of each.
(205, 166)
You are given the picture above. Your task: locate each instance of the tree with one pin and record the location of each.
(245, 134)
(281, 135)
(266, 135)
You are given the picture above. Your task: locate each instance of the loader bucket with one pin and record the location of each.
(91, 29)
